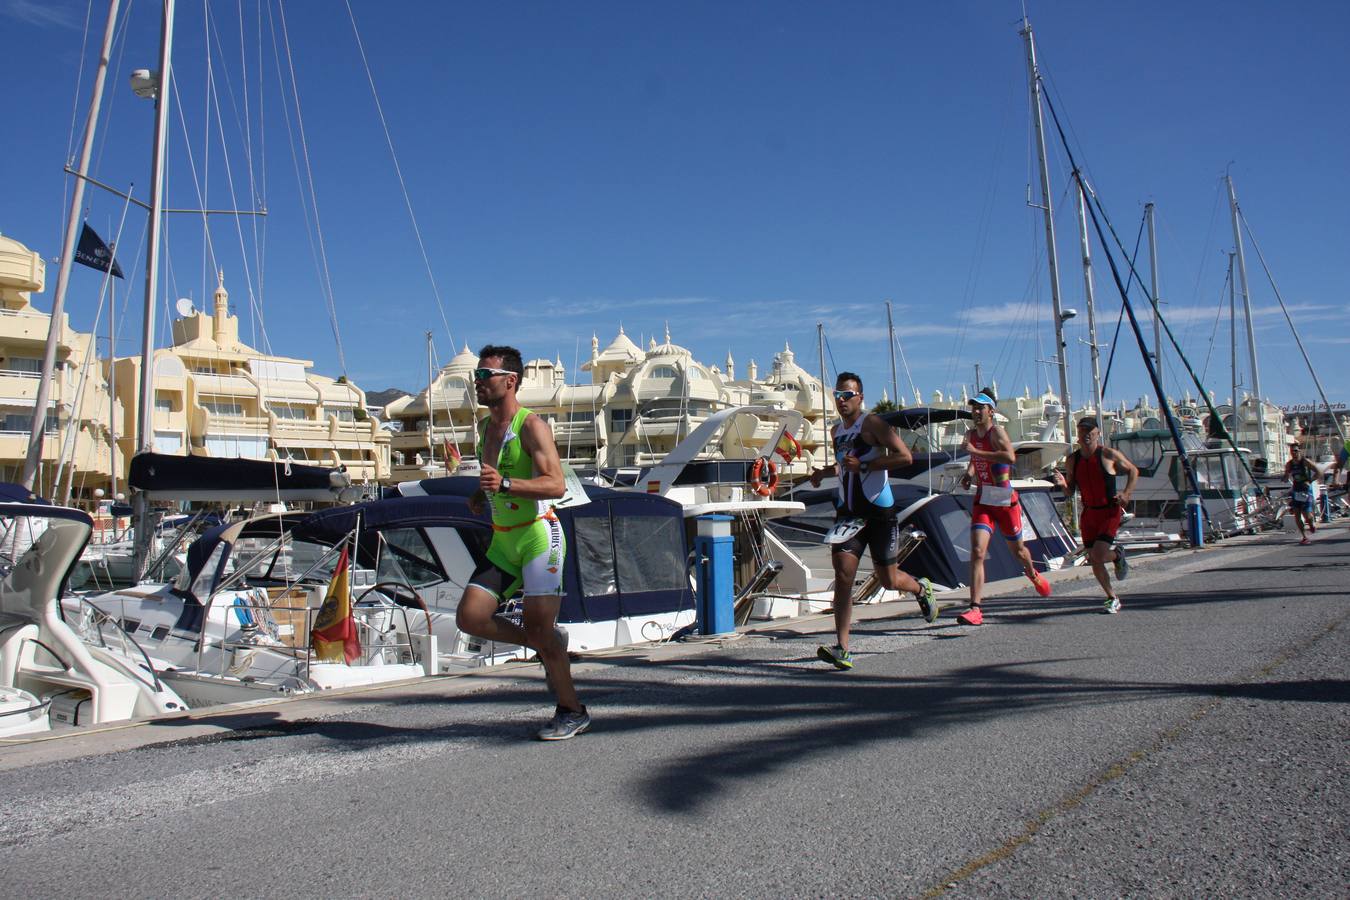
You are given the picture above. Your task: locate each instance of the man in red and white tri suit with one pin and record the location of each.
(1094, 470)
(996, 503)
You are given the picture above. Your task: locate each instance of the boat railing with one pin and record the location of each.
(96, 626)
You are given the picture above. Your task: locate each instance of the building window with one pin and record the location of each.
(291, 411)
(23, 365)
(343, 413)
(236, 445)
(168, 442)
(620, 419)
(663, 372)
(224, 407)
(163, 402)
(22, 423)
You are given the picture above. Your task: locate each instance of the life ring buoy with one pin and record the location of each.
(760, 482)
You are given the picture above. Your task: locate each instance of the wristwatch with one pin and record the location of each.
(506, 484)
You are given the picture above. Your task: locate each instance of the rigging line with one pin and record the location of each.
(985, 229)
(68, 447)
(241, 123)
(66, 185)
(1204, 252)
(326, 274)
(1284, 309)
(258, 194)
(1173, 427)
(208, 86)
(1165, 409)
(398, 170)
(1218, 315)
(908, 377)
(108, 110)
(1129, 282)
(255, 303)
(192, 169)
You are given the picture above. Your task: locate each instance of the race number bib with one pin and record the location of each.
(843, 530)
(995, 495)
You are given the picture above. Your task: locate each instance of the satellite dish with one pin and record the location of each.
(184, 307)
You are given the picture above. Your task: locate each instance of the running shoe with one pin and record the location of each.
(837, 655)
(1041, 584)
(1304, 542)
(926, 604)
(565, 724)
(1121, 565)
(1111, 606)
(972, 616)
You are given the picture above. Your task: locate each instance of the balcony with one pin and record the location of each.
(24, 325)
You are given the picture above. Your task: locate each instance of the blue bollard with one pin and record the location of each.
(1195, 521)
(713, 544)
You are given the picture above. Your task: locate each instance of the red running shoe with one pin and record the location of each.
(1304, 542)
(1041, 584)
(972, 616)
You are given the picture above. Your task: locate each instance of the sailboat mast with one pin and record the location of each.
(890, 331)
(1047, 208)
(1232, 342)
(1247, 310)
(145, 424)
(1153, 285)
(824, 392)
(1088, 295)
(112, 398)
(431, 423)
(73, 221)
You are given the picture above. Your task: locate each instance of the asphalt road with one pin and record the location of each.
(1194, 745)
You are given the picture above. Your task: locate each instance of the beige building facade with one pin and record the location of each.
(216, 396)
(76, 451)
(634, 408)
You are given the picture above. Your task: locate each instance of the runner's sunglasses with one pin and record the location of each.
(485, 374)
(846, 395)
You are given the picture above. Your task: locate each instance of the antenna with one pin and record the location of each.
(184, 307)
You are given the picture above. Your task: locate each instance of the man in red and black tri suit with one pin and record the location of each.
(996, 503)
(1093, 471)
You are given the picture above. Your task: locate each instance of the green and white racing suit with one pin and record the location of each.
(527, 546)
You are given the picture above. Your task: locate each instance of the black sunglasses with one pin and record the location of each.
(846, 395)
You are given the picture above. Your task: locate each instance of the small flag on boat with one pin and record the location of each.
(452, 457)
(788, 447)
(95, 254)
(334, 635)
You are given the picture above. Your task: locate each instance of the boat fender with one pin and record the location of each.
(764, 477)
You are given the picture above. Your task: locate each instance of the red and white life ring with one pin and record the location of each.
(764, 477)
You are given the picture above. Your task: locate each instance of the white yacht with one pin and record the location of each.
(49, 677)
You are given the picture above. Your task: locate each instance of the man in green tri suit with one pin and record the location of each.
(521, 476)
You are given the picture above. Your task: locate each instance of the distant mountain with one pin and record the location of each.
(385, 397)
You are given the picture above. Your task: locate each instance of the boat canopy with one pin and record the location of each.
(17, 493)
(205, 478)
(916, 417)
(627, 552)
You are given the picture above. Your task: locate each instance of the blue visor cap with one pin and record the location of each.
(983, 399)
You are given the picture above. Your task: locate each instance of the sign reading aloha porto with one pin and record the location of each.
(1311, 407)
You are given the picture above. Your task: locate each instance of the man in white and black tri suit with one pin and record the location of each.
(865, 450)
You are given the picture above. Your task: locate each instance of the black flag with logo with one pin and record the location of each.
(95, 254)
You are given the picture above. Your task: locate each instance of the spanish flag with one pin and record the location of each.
(788, 447)
(452, 457)
(334, 634)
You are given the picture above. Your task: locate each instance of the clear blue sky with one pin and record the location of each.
(738, 170)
